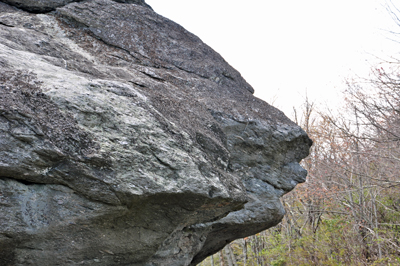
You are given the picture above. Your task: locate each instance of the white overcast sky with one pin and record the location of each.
(284, 48)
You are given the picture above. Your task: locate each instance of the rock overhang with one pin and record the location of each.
(163, 141)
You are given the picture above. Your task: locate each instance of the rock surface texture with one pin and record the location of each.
(125, 140)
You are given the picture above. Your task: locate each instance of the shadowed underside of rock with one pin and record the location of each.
(125, 140)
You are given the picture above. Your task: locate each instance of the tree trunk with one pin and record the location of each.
(221, 258)
(244, 252)
(228, 255)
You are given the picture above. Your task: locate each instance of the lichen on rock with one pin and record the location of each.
(125, 140)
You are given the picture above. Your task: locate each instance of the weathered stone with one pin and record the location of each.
(125, 140)
(39, 6)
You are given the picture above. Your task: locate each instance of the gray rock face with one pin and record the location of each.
(125, 140)
(39, 6)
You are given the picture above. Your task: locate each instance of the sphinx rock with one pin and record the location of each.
(125, 140)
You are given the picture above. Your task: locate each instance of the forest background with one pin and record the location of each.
(348, 211)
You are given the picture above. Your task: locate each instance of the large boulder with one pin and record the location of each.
(125, 140)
